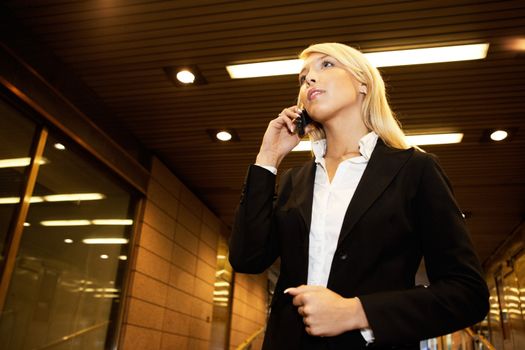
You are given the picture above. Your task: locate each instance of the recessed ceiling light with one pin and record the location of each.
(27, 224)
(118, 222)
(185, 76)
(104, 256)
(59, 146)
(224, 136)
(68, 240)
(379, 59)
(499, 135)
(122, 257)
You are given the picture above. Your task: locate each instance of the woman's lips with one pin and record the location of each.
(313, 93)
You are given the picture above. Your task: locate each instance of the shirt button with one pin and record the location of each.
(343, 256)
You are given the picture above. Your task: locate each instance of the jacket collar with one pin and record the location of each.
(383, 166)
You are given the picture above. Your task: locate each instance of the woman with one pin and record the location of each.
(352, 225)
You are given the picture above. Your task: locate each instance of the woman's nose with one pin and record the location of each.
(310, 79)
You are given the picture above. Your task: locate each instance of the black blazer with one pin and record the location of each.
(402, 209)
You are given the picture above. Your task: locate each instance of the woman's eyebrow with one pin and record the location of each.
(317, 59)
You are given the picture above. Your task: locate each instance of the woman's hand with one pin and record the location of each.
(326, 313)
(279, 138)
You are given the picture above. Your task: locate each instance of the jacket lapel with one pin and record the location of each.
(382, 167)
(303, 184)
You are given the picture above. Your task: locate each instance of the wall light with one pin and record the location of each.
(82, 222)
(73, 197)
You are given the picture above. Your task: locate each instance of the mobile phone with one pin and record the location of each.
(301, 122)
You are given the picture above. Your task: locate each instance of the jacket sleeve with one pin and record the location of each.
(253, 245)
(457, 296)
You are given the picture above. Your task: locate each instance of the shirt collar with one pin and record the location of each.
(366, 146)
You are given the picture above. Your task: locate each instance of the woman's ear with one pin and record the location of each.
(363, 89)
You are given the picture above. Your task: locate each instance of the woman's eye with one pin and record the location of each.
(327, 64)
(302, 78)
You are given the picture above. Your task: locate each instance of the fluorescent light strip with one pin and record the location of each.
(14, 200)
(65, 223)
(119, 222)
(378, 59)
(73, 197)
(434, 139)
(19, 162)
(419, 140)
(105, 241)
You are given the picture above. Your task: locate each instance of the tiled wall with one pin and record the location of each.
(169, 303)
(248, 309)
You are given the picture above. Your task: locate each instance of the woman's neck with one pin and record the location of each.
(342, 137)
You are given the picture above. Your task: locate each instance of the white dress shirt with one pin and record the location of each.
(330, 202)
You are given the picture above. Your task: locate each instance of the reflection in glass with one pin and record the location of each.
(222, 299)
(16, 136)
(67, 278)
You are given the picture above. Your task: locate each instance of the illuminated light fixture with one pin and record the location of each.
(65, 223)
(104, 256)
(68, 240)
(419, 140)
(19, 162)
(265, 69)
(105, 241)
(378, 59)
(303, 146)
(220, 299)
(106, 296)
(434, 139)
(221, 284)
(27, 224)
(221, 256)
(14, 200)
(118, 222)
(59, 146)
(224, 136)
(428, 55)
(185, 76)
(221, 292)
(123, 257)
(499, 135)
(74, 197)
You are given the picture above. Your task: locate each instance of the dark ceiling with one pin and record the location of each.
(119, 48)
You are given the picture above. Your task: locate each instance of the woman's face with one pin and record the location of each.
(327, 88)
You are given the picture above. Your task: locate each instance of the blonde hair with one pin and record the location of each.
(376, 111)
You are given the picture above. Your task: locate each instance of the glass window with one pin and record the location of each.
(66, 286)
(16, 135)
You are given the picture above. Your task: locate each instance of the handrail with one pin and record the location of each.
(478, 337)
(72, 335)
(250, 339)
